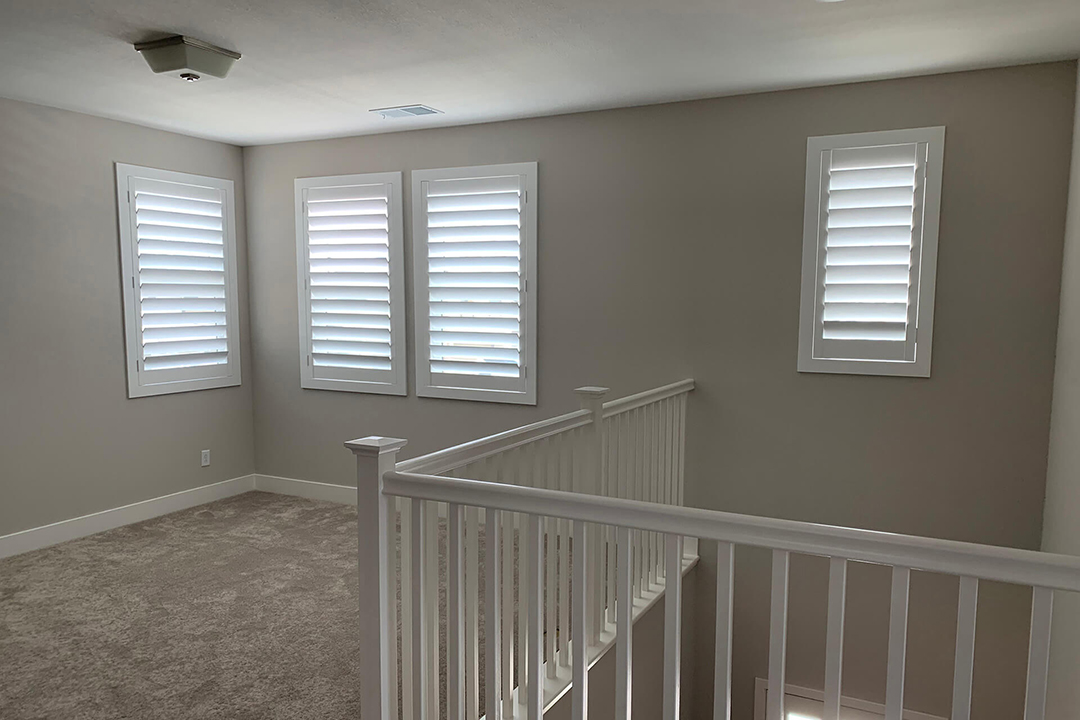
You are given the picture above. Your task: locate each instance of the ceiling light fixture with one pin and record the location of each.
(405, 111)
(187, 58)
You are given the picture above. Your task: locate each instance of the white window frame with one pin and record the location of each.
(354, 381)
(143, 383)
(924, 256)
(474, 388)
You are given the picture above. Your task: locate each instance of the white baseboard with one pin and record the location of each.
(341, 494)
(46, 535)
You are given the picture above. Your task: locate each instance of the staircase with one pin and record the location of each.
(477, 553)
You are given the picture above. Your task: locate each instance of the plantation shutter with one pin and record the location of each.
(349, 260)
(870, 240)
(474, 258)
(179, 256)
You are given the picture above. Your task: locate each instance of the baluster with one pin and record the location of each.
(455, 616)
(654, 495)
(472, 611)
(392, 577)
(420, 617)
(580, 691)
(625, 624)
(493, 664)
(781, 562)
(637, 477)
(898, 619)
(725, 585)
(661, 485)
(431, 600)
(527, 479)
(666, 476)
(834, 637)
(965, 648)
(669, 442)
(680, 474)
(551, 557)
(511, 474)
(608, 551)
(535, 542)
(673, 629)
(621, 491)
(564, 561)
(1042, 609)
(409, 708)
(592, 399)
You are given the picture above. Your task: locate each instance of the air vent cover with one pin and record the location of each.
(406, 111)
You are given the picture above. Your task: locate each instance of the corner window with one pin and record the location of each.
(178, 262)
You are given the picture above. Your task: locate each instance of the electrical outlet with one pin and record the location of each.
(206, 458)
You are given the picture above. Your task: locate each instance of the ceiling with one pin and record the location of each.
(313, 68)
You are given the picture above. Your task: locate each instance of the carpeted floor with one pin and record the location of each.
(242, 609)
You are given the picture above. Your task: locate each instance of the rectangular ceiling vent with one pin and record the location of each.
(406, 111)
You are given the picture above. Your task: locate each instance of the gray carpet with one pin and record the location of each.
(245, 608)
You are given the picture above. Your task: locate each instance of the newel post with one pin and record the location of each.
(592, 399)
(375, 456)
(591, 481)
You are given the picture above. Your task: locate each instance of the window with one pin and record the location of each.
(870, 252)
(178, 259)
(350, 282)
(475, 257)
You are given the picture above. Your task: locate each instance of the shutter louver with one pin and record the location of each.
(180, 247)
(474, 276)
(348, 239)
(473, 262)
(872, 220)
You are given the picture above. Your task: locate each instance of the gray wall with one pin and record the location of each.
(669, 243)
(647, 689)
(1061, 519)
(960, 455)
(72, 442)
(612, 299)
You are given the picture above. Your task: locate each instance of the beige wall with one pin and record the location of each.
(71, 441)
(1061, 521)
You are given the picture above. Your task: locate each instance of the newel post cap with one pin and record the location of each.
(374, 445)
(592, 391)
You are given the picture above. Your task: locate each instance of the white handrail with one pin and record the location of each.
(625, 553)
(453, 457)
(641, 399)
(1011, 565)
(450, 458)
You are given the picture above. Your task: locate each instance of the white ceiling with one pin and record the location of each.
(313, 68)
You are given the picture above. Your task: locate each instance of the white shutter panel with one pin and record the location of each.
(180, 297)
(873, 213)
(869, 203)
(474, 256)
(350, 278)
